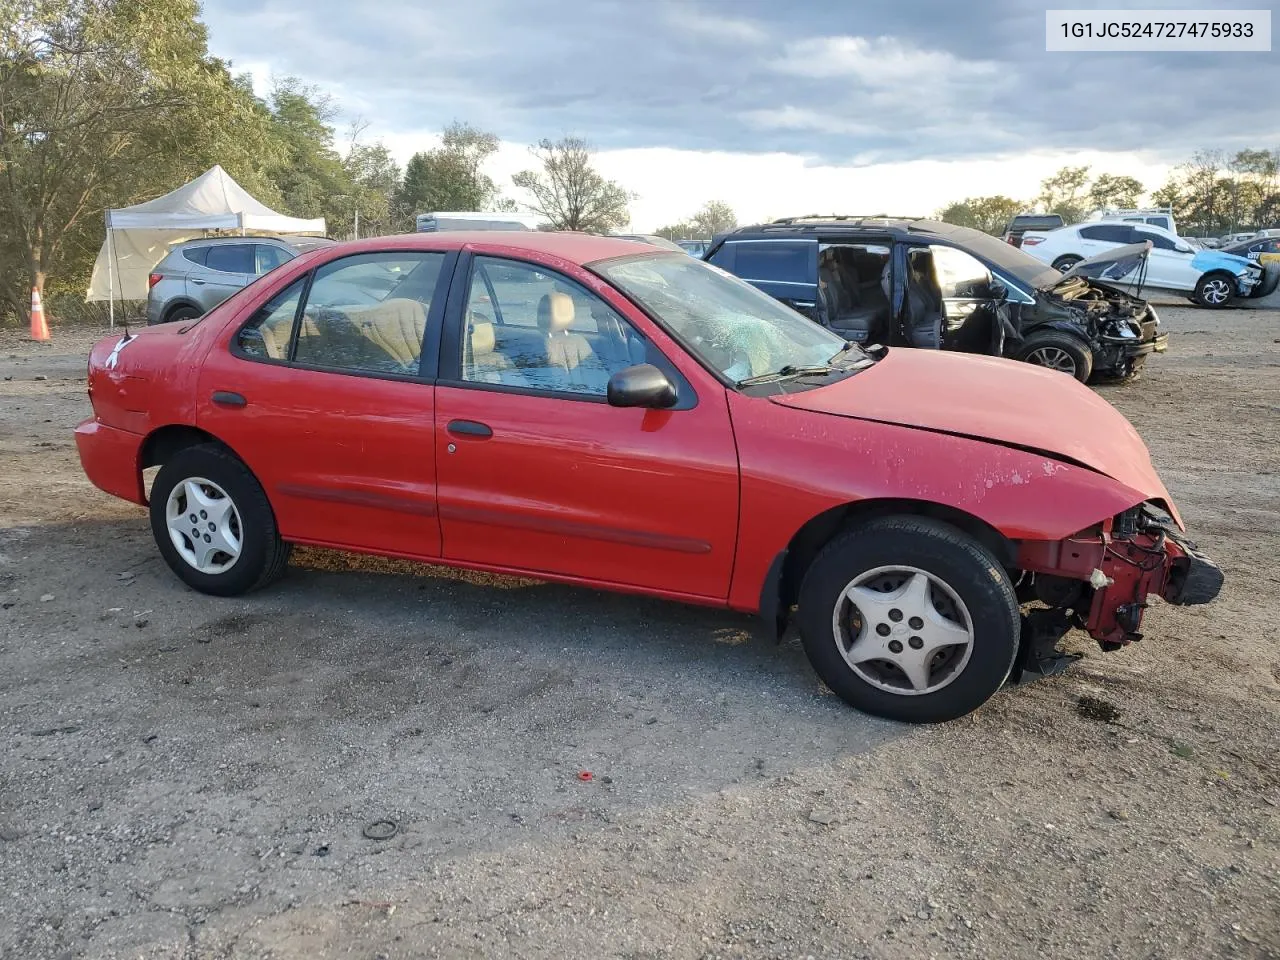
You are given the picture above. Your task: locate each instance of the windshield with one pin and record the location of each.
(729, 324)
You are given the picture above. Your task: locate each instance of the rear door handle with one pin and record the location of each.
(226, 398)
(199, 283)
(469, 428)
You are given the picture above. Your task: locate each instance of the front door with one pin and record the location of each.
(537, 472)
(969, 322)
(321, 393)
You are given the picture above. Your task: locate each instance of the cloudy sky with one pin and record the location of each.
(775, 106)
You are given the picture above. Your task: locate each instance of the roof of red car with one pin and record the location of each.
(575, 247)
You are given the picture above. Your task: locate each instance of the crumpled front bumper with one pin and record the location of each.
(1137, 555)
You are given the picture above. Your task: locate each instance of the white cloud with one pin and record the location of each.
(879, 62)
(715, 29)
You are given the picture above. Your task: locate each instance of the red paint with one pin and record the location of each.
(691, 504)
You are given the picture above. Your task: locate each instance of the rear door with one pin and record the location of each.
(323, 391)
(1097, 237)
(787, 270)
(228, 267)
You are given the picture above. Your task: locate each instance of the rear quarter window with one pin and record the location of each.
(766, 261)
(195, 254)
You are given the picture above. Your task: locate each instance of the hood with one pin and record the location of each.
(1115, 265)
(1207, 260)
(1000, 401)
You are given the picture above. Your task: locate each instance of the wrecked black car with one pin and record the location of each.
(922, 283)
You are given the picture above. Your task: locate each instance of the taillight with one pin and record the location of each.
(1030, 241)
(153, 279)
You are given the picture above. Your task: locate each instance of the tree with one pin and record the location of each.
(1109, 191)
(681, 230)
(714, 217)
(449, 177)
(1065, 193)
(375, 178)
(103, 102)
(988, 214)
(569, 192)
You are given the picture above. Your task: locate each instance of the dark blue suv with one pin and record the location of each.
(922, 283)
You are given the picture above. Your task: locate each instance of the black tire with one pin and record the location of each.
(181, 314)
(263, 555)
(1066, 262)
(1215, 290)
(1072, 354)
(944, 553)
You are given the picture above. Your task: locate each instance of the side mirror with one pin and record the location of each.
(642, 385)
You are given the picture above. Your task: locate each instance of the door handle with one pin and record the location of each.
(469, 428)
(198, 283)
(226, 398)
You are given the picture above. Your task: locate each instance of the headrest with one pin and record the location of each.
(482, 338)
(555, 312)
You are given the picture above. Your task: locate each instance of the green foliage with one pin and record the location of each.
(1066, 193)
(1118, 192)
(1213, 193)
(988, 214)
(449, 177)
(714, 217)
(568, 191)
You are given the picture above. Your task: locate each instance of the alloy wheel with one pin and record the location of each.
(1055, 358)
(1216, 291)
(903, 630)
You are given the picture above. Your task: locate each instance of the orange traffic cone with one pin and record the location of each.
(39, 329)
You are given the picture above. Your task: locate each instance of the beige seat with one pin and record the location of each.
(565, 350)
(395, 326)
(481, 363)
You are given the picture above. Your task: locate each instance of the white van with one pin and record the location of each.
(1158, 217)
(472, 220)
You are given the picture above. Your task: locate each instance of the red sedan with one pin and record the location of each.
(595, 411)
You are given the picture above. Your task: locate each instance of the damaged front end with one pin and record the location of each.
(1121, 328)
(1100, 581)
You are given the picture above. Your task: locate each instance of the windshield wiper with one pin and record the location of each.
(790, 370)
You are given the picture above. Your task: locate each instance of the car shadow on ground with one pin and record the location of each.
(355, 689)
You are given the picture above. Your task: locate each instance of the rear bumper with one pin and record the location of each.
(110, 459)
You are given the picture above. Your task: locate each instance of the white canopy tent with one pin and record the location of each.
(139, 236)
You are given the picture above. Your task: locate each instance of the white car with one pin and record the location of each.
(1210, 278)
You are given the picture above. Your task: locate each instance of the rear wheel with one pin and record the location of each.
(1058, 351)
(213, 523)
(1215, 290)
(181, 314)
(1065, 263)
(909, 618)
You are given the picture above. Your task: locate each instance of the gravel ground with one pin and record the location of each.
(192, 777)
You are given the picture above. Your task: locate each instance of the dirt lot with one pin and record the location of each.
(191, 777)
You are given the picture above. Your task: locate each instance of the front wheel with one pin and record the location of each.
(1214, 290)
(1058, 351)
(909, 618)
(213, 523)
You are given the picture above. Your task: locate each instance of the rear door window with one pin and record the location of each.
(1108, 233)
(785, 269)
(231, 258)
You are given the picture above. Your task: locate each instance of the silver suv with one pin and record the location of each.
(196, 276)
